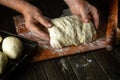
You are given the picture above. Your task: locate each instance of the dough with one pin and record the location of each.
(70, 30)
(12, 47)
(3, 62)
(0, 38)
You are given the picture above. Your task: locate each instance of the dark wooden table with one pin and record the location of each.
(93, 65)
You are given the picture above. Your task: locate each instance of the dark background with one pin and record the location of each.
(104, 66)
(50, 8)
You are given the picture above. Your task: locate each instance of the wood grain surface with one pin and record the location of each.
(112, 25)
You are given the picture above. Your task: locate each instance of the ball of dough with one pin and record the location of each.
(12, 47)
(70, 30)
(1, 38)
(3, 62)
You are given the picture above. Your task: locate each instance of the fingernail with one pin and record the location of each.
(49, 25)
(86, 20)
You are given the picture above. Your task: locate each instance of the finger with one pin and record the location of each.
(95, 16)
(84, 15)
(44, 21)
(38, 32)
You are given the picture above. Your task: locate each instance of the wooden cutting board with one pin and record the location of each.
(45, 51)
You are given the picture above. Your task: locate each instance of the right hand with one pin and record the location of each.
(84, 10)
(36, 22)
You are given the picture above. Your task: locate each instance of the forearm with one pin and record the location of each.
(72, 2)
(18, 5)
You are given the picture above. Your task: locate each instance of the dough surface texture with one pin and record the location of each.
(3, 62)
(0, 38)
(69, 30)
(12, 47)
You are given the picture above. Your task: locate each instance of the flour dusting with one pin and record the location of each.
(83, 62)
(64, 66)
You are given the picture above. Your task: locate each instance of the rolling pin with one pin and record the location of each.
(112, 25)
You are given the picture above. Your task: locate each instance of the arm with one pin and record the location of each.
(84, 10)
(17, 5)
(33, 16)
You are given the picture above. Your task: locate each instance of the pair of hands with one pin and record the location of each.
(34, 17)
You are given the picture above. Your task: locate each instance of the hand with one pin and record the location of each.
(35, 21)
(33, 16)
(84, 10)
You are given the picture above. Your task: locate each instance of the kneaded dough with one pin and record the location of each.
(0, 38)
(12, 47)
(70, 30)
(3, 62)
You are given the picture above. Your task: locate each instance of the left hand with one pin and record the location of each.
(36, 22)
